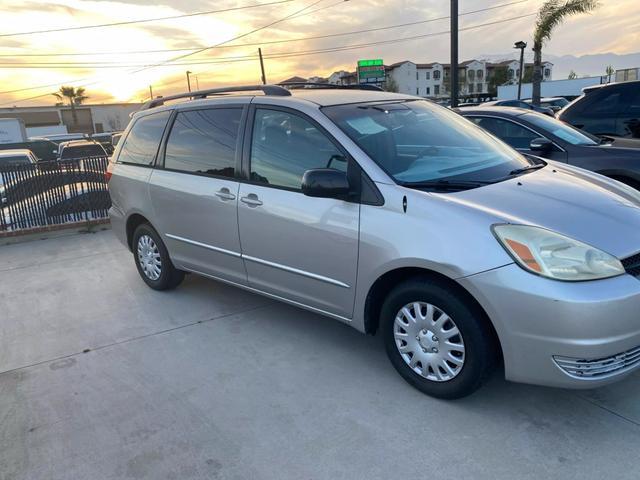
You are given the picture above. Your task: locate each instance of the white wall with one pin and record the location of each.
(554, 88)
(113, 117)
(50, 130)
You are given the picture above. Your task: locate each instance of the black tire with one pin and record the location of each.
(480, 346)
(170, 277)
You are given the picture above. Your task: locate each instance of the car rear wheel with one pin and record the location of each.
(152, 260)
(436, 339)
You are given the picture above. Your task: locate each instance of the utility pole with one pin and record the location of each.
(188, 81)
(150, 92)
(264, 78)
(454, 53)
(521, 45)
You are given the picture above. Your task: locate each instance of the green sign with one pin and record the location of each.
(370, 68)
(371, 63)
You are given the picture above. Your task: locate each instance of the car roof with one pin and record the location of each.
(495, 110)
(593, 88)
(14, 152)
(78, 143)
(322, 97)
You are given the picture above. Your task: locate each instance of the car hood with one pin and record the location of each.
(568, 200)
(621, 142)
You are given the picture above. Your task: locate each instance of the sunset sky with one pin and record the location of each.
(114, 75)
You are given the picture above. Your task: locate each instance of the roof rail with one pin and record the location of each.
(274, 90)
(358, 86)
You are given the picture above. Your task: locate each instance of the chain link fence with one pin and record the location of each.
(53, 193)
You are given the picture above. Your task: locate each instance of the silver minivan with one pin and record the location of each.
(395, 216)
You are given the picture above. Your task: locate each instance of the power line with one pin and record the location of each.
(332, 49)
(242, 58)
(294, 14)
(144, 20)
(273, 42)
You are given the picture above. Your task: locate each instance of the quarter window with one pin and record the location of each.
(285, 145)
(204, 141)
(141, 145)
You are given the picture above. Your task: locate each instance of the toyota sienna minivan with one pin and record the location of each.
(395, 216)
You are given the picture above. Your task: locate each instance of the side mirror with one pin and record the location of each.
(540, 145)
(325, 182)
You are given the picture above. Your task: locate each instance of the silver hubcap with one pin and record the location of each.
(429, 341)
(149, 257)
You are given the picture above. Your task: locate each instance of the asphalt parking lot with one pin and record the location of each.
(209, 381)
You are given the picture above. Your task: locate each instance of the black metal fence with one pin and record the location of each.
(53, 193)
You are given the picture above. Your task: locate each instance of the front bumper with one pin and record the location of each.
(563, 334)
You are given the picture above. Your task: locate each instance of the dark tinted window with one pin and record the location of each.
(15, 160)
(284, 146)
(204, 141)
(82, 151)
(633, 98)
(606, 102)
(142, 143)
(515, 135)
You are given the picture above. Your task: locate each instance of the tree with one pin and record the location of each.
(551, 14)
(499, 76)
(610, 71)
(572, 75)
(391, 85)
(75, 96)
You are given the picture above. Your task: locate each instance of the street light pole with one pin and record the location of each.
(188, 81)
(521, 45)
(150, 92)
(454, 53)
(264, 77)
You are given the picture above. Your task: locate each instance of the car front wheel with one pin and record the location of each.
(436, 338)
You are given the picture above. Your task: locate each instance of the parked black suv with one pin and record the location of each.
(612, 109)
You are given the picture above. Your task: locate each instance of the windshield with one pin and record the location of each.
(79, 151)
(417, 141)
(561, 130)
(15, 160)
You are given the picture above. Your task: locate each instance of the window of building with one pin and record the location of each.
(479, 74)
(547, 72)
(428, 91)
(141, 145)
(471, 88)
(436, 75)
(285, 145)
(417, 75)
(436, 89)
(427, 75)
(511, 73)
(479, 88)
(204, 141)
(472, 74)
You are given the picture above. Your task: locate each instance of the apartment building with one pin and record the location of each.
(475, 76)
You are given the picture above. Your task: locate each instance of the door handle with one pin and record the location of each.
(225, 194)
(252, 200)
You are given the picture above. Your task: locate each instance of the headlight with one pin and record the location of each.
(555, 256)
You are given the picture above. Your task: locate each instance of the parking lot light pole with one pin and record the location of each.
(188, 80)
(454, 53)
(521, 45)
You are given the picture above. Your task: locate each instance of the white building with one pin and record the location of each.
(432, 79)
(59, 119)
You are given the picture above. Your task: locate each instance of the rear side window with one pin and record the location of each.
(141, 145)
(509, 132)
(204, 141)
(83, 151)
(285, 145)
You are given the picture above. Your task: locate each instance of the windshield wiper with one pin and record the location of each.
(446, 184)
(526, 169)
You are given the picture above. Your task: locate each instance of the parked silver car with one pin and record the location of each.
(393, 215)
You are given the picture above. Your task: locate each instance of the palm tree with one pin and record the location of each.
(75, 95)
(550, 15)
(610, 71)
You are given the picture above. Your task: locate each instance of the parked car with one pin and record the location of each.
(538, 134)
(518, 104)
(44, 150)
(554, 103)
(80, 149)
(611, 109)
(393, 215)
(10, 158)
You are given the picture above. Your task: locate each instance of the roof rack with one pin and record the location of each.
(359, 86)
(274, 90)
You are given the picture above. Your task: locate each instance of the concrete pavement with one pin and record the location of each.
(209, 381)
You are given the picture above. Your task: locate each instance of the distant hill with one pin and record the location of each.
(584, 66)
